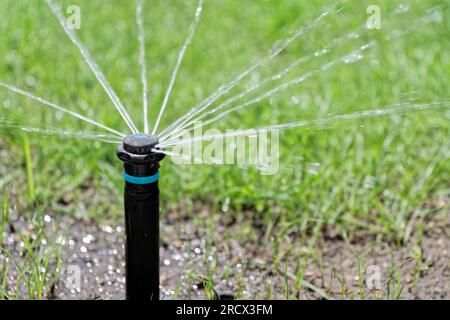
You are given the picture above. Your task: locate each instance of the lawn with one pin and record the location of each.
(349, 194)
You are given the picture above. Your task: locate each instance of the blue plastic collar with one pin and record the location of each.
(141, 180)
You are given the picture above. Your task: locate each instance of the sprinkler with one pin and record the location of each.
(141, 197)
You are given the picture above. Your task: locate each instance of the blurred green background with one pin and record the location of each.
(368, 174)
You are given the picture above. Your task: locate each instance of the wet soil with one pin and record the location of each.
(236, 266)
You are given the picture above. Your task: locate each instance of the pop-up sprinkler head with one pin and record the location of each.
(141, 174)
(138, 149)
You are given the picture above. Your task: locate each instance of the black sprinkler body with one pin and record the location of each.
(141, 197)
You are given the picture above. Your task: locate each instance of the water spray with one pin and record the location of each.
(141, 195)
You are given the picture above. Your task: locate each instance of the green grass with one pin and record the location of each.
(384, 175)
(30, 180)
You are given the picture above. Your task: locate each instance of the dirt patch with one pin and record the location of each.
(196, 257)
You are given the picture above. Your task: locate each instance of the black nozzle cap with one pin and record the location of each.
(140, 143)
(139, 148)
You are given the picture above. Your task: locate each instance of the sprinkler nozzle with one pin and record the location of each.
(139, 149)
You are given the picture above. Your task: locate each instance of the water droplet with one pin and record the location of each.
(60, 240)
(402, 8)
(107, 229)
(321, 52)
(353, 57)
(177, 257)
(313, 168)
(88, 239)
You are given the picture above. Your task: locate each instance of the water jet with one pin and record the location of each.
(141, 199)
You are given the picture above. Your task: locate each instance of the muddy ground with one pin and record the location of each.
(244, 268)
